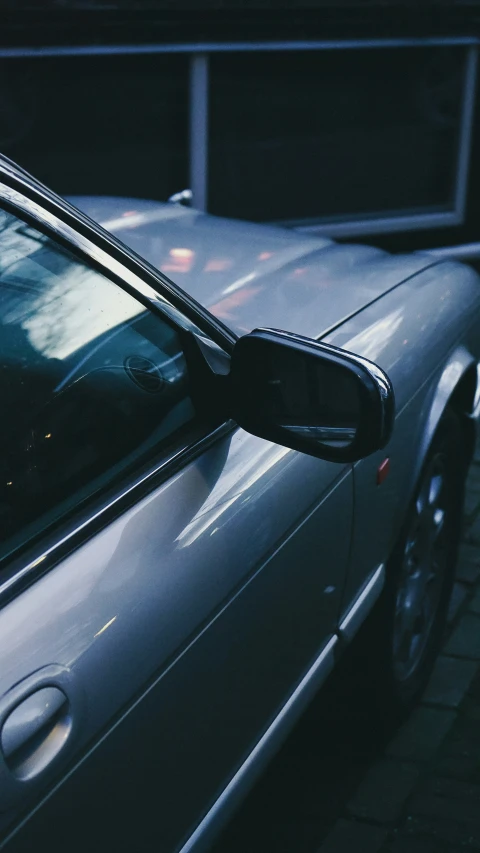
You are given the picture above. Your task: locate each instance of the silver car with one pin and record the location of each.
(198, 511)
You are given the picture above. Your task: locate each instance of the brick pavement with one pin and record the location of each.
(422, 795)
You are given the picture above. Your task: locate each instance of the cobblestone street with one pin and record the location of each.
(348, 781)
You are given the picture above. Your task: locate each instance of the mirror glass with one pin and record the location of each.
(310, 397)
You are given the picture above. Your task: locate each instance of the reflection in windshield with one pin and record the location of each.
(60, 304)
(74, 311)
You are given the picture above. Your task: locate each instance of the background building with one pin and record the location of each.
(359, 120)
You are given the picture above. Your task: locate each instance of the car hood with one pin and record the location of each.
(251, 275)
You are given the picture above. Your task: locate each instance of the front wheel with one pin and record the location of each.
(420, 572)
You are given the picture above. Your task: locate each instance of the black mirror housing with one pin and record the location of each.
(310, 396)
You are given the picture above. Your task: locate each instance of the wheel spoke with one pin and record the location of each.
(422, 500)
(435, 490)
(438, 524)
(421, 581)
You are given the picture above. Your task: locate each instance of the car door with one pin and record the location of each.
(170, 584)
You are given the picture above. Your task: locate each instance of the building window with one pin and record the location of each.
(337, 135)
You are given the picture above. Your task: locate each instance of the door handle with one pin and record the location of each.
(35, 732)
(39, 720)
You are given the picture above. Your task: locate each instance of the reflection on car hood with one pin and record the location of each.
(253, 275)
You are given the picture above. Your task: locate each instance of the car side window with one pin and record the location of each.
(92, 384)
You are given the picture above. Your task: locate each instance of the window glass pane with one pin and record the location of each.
(98, 125)
(92, 384)
(334, 134)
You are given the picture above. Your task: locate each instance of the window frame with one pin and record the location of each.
(199, 54)
(88, 242)
(350, 225)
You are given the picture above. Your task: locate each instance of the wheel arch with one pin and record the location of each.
(457, 389)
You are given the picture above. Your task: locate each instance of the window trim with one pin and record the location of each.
(27, 567)
(237, 46)
(90, 241)
(24, 569)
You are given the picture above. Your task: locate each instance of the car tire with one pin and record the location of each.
(412, 615)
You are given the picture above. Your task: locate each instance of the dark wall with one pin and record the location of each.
(61, 136)
(83, 21)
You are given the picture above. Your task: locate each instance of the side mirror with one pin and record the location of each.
(310, 396)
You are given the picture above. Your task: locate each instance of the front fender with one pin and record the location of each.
(460, 370)
(425, 334)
